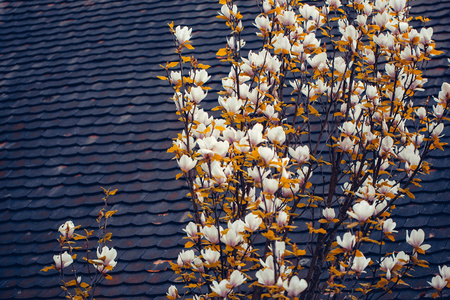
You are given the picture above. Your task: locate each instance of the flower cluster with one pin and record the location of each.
(291, 114)
(105, 258)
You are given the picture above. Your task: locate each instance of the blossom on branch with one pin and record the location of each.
(416, 239)
(183, 34)
(360, 263)
(295, 286)
(328, 130)
(67, 229)
(105, 259)
(62, 260)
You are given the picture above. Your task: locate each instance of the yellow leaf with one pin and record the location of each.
(189, 244)
(222, 52)
(269, 235)
(52, 267)
(71, 283)
(84, 285)
(300, 252)
(352, 225)
(189, 46)
(172, 64)
(202, 66)
(436, 52)
(162, 77)
(410, 195)
(170, 25)
(186, 58)
(313, 111)
(110, 213)
(109, 277)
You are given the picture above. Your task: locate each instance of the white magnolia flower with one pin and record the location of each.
(401, 258)
(172, 292)
(348, 241)
(221, 288)
(199, 76)
(67, 229)
(389, 226)
(186, 163)
(210, 256)
(276, 134)
(362, 211)
(191, 229)
(287, 18)
(270, 185)
(226, 12)
(252, 221)
(333, 3)
(266, 277)
(416, 239)
(267, 154)
(444, 94)
(295, 286)
(175, 77)
(106, 259)
(387, 264)
(282, 219)
(263, 23)
(360, 263)
(236, 278)
(445, 272)
(328, 213)
(438, 282)
(281, 43)
(183, 34)
(211, 233)
(185, 257)
(255, 136)
(63, 260)
(398, 5)
(301, 153)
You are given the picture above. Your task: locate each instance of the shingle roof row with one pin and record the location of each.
(81, 108)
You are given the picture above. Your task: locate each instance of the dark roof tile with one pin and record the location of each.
(82, 108)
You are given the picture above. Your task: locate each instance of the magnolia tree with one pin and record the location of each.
(328, 98)
(75, 286)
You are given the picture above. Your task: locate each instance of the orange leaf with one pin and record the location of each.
(52, 267)
(202, 66)
(189, 244)
(222, 52)
(172, 64)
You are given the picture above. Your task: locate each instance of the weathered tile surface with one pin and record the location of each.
(81, 108)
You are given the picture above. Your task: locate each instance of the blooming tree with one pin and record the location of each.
(97, 269)
(322, 123)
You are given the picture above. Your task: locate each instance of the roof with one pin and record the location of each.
(81, 108)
